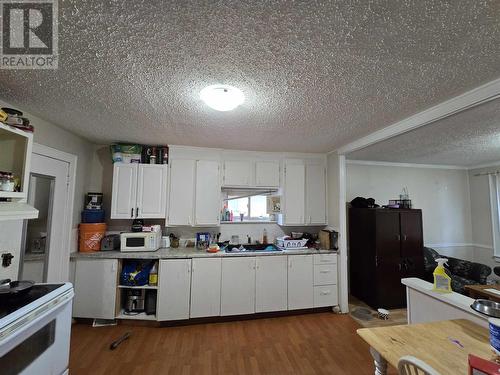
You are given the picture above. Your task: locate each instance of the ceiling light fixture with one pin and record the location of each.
(222, 97)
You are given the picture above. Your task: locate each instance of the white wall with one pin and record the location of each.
(442, 194)
(333, 190)
(53, 136)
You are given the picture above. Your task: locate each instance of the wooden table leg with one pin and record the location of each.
(379, 361)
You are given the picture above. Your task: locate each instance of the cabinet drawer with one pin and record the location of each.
(326, 296)
(325, 274)
(325, 258)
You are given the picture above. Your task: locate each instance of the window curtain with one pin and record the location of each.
(494, 180)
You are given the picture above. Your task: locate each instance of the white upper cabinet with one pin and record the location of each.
(208, 196)
(267, 173)
(271, 283)
(123, 200)
(151, 191)
(304, 192)
(238, 173)
(315, 194)
(294, 193)
(139, 191)
(181, 197)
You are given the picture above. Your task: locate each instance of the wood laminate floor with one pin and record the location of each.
(321, 343)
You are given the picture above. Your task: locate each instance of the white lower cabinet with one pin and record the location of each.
(238, 286)
(271, 283)
(95, 288)
(326, 295)
(205, 287)
(300, 282)
(174, 289)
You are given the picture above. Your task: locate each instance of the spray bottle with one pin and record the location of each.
(442, 282)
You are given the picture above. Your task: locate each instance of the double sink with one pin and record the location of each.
(229, 248)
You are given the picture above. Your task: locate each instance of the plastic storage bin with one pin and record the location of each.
(93, 216)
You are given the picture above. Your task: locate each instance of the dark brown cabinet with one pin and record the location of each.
(385, 245)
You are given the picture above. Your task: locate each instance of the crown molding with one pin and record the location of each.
(469, 99)
(404, 165)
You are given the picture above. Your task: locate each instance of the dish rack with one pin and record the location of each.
(286, 243)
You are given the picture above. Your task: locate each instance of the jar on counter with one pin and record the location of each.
(7, 182)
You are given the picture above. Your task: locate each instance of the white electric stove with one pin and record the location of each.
(35, 329)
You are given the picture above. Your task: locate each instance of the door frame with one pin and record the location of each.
(71, 159)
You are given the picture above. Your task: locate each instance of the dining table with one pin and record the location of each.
(444, 345)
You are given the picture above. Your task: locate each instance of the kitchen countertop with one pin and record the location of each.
(187, 252)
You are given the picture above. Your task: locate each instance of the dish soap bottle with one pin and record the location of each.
(442, 282)
(264, 237)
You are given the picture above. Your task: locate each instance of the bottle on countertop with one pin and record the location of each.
(231, 216)
(153, 275)
(442, 282)
(264, 237)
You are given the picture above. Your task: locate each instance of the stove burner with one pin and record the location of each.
(13, 302)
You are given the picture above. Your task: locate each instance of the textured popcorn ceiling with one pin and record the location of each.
(469, 138)
(316, 74)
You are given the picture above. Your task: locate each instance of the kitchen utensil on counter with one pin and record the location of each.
(202, 240)
(174, 241)
(137, 225)
(486, 307)
(122, 338)
(110, 242)
(165, 242)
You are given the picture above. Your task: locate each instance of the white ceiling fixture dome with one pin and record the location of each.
(222, 97)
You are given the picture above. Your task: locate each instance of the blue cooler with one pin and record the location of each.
(93, 216)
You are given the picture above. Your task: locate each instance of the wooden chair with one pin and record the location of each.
(409, 365)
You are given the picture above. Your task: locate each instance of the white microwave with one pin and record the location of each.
(140, 241)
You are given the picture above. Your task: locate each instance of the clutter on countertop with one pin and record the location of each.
(328, 239)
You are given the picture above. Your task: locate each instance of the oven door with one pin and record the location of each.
(39, 343)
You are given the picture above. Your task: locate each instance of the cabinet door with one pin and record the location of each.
(181, 197)
(271, 283)
(208, 195)
(267, 173)
(205, 287)
(151, 191)
(95, 288)
(238, 286)
(412, 255)
(294, 194)
(389, 291)
(300, 282)
(315, 194)
(123, 198)
(174, 286)
(237, 173)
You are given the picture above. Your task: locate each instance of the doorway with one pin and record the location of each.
(44, 252)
